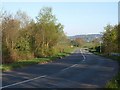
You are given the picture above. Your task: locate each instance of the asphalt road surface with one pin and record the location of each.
(79, 70)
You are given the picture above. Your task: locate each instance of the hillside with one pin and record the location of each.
(88, 37)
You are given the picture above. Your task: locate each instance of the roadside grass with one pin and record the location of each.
(24, 63)
(115, 81)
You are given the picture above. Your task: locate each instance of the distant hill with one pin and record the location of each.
(88, 37)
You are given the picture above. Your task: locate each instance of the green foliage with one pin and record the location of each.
(115, 82)
(23, 63)
(110, 39)
(74, 43)
(23, 38)
(49, 32)
(80, 42)
(22, 45)
(118, 31)
(110, 45)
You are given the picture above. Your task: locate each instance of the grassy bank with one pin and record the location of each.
(23, 63)
(115, 82)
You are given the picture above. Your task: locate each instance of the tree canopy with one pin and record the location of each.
(23, 38)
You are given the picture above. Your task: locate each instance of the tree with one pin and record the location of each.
(15, 38)
(49, 31)
(23, 18)
(80, 41)
(118, 31)
(110, 39)
(23, 38)
(24, 43)
(10, 28)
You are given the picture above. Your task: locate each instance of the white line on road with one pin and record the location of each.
(83, 55)
(68, 67)
(75, 64)
(23, 81)
(43, 75)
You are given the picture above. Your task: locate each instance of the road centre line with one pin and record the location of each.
(83, 55)
(75, 64)
(69, 67)
(24, 81)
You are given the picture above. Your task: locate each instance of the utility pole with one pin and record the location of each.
(100, 46)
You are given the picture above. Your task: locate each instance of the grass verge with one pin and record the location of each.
(115, 82)
(23, 63)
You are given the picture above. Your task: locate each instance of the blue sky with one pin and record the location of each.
(77, 18)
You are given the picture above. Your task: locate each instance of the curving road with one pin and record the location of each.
(81, 69)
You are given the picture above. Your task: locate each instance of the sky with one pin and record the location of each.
(77, 17)
(119, 12)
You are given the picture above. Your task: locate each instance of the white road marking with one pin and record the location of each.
(23, 81)
(75, 64)
(83, 55)
(43, 75)
(69, 67)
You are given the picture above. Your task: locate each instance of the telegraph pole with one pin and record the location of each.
(100, 46)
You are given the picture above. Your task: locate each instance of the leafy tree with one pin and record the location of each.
(118, 31)
(48, 29)
(23, 18)
(80, 41)
(110, 39)
(10, 28)
(23, 38)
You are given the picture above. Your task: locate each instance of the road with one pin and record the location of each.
(81, 69)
